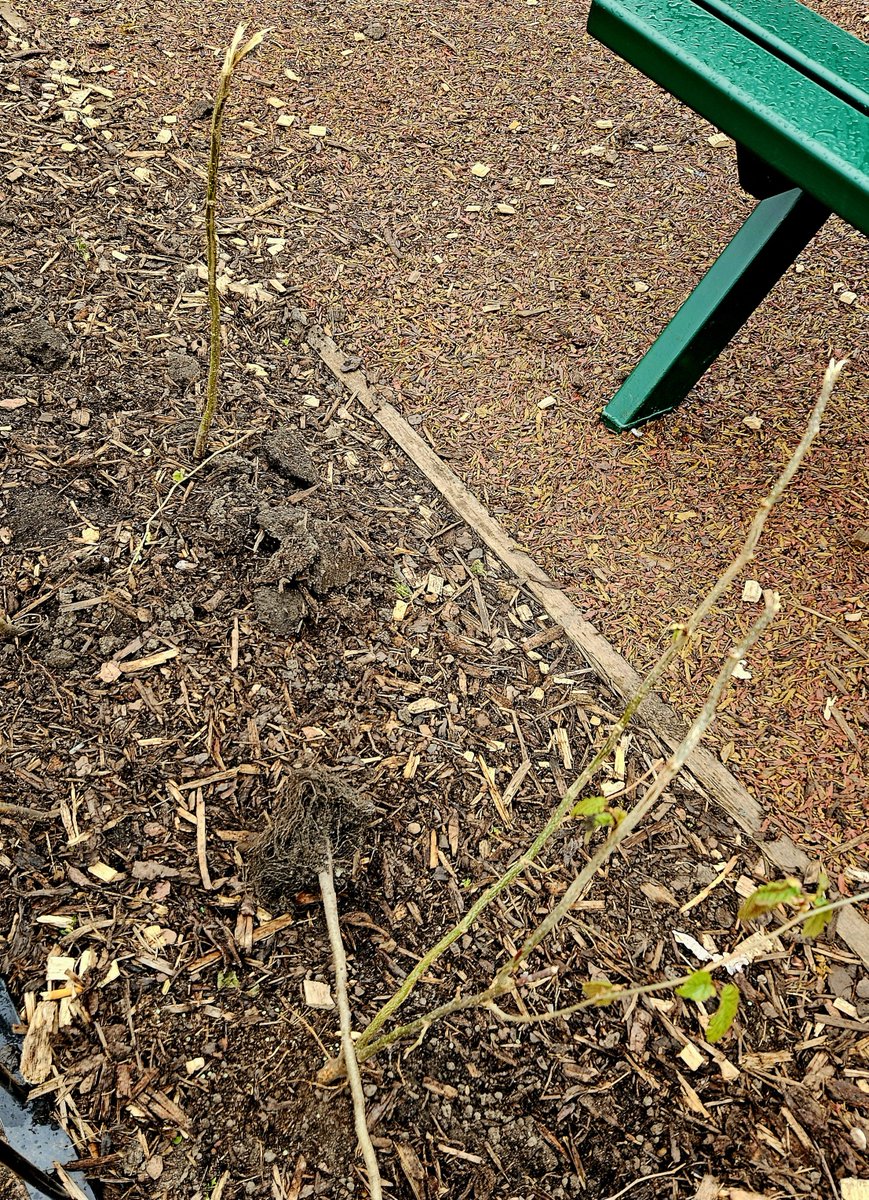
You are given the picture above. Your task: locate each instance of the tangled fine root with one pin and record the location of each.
(315, 807)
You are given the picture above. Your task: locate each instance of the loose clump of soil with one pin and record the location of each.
(33, 345)
(293, 552)
(286, 451)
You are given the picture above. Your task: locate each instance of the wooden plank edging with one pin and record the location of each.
(609, 665)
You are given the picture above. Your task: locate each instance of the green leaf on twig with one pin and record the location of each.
(600, 991)
(698, 988)
(815, 925)
(722, 1018)
(770, 896)
(589, 807)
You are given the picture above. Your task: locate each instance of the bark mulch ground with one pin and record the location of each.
(178, 647)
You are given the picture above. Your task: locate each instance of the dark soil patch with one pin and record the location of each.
(34, 345)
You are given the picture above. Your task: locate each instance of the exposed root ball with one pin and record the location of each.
(315, 806)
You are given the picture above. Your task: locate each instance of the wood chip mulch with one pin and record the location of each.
(176, 647)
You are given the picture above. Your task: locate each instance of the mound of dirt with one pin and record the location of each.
(286, 451)
(34, 345)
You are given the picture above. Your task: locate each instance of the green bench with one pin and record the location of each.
(792, 90)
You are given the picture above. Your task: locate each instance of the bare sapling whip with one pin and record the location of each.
(371, 1039)
(234, 54)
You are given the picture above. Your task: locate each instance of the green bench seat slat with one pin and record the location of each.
(798, 126)
(810, 43)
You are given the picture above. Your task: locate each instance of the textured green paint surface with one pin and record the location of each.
(812, 135)
(793, 90)
(763, 249)
(814, 46)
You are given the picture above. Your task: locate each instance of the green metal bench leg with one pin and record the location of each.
(763, 249)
